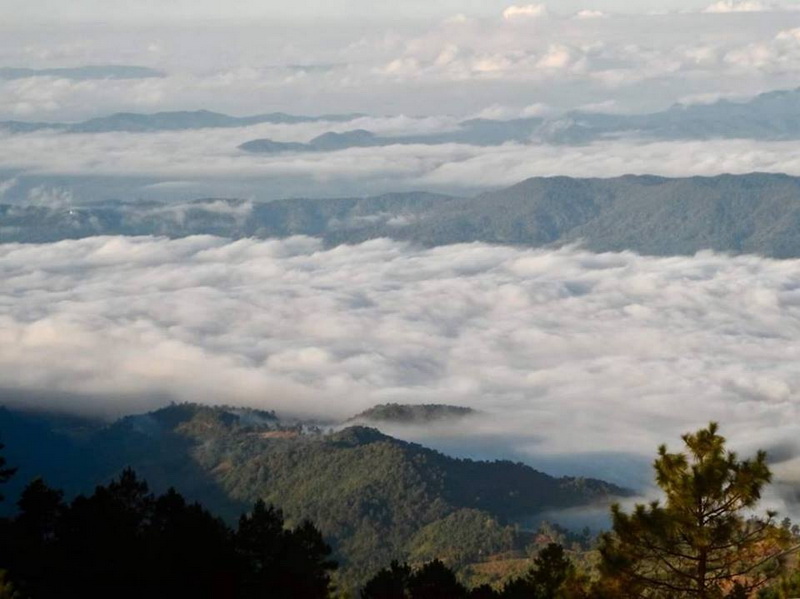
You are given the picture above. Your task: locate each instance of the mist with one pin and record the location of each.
(183, 166)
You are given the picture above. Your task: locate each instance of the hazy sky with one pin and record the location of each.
(155, 11)
(412, 57)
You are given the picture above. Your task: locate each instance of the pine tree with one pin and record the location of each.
(700, 542)
(550, 571)
(551, 568)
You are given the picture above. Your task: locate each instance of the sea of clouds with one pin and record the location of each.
(566, 353)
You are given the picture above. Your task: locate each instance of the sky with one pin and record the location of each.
(153, 11)
(414, 58)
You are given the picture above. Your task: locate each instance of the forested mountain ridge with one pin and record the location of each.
(413, 414)
(375, 498)
(757, 213)
(768, 116)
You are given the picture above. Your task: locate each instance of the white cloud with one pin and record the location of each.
(568, 351)
(210, 156)
(49, 197)
(729, 6)
(6, 185)
(557, 57)
(590, 14)
(780, 54)
(526, 11)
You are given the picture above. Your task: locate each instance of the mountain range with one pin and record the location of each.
(756, 213)
(116, 71)
(133, 122)
(770, 116)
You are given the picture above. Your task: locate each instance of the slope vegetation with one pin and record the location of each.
(375, 498)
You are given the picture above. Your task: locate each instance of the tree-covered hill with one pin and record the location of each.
(374, 497)
(757, 213)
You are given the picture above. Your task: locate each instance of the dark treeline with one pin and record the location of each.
(123, 541)
(551, 576)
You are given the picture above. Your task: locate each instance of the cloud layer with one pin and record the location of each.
(569, 352)
(200, 163)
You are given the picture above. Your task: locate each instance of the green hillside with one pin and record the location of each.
(375, 498)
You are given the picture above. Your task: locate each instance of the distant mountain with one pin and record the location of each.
(413, 414)
(476, 132)
(375, 497)
(84, 72)
(756, 213)
(770, 116)
(168, 121)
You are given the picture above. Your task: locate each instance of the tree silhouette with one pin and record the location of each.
(389, 583)
(280, 562)
(5, 472)
(40, 508)
(550, 571)
(124, 542)
(190, 550)
(551, 568)
(434, 580)
(700, 542)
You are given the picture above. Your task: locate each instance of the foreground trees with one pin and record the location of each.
(549, 578)
(702, 541)
(122, 541)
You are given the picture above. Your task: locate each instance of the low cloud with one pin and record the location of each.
(567, 352)
(527, 11)
(729, 6)
(210, 158)
(6, 185)
(587, 13)
(781, 54)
